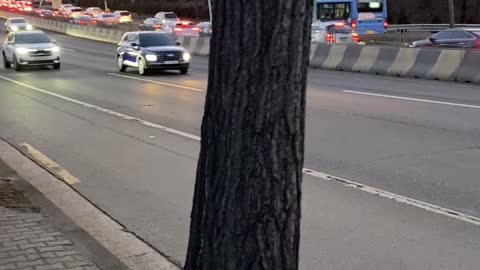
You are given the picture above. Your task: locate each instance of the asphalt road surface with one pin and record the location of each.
(415, 138)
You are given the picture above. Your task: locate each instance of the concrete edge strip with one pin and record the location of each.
(50, 165)
(128, 248)
(398, 198)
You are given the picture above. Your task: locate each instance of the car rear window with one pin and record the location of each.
(155, 39)
(76, 9)
(108, 15)
(170, 15)
(124, 13)
(18, 21)
(31, 38)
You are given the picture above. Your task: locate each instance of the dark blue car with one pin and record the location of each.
(151, 51)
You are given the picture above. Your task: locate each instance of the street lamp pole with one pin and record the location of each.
(451, 11)
(106, 5)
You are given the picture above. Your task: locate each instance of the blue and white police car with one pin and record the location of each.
(151, 50)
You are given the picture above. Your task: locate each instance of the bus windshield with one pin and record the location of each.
(333, 11)
(370, 6)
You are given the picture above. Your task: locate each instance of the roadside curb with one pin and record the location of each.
(128, 248)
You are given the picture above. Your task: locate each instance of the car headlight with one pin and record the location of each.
(22, 50)
(14, 28)
(151, 57)
(186, 56)
(29, 27)
(54, 49)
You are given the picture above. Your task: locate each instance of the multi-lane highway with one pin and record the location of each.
(415, 138)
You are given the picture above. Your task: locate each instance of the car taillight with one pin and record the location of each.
(385, 24)
(477, 45)
(355, 37)
(178, 29)
(354, 23)
(196, 29)
(329, 38)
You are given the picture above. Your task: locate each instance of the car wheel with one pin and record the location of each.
(121, 67)
(6, 64)
(184, 70)
(142, 69)
(18, 67)
(56, 66)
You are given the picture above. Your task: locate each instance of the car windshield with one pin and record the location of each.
(155, 39)
(124, 14)
(18, 21)
(31, 38)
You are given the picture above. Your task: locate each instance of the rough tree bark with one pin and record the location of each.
(247, 201)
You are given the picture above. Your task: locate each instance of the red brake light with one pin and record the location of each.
(329, 38)
(185, 23)
(354, 23)
(385, 24)
(196, 29)
(339, 24)
(355, 37)
(477, 46)
(178, 29)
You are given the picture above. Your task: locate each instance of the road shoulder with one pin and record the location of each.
(95, 235)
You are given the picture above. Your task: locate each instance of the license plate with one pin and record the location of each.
(171, 62)
(370, 32)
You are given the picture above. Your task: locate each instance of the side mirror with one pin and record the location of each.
(432, 39)
(135, 46)
(178, 43)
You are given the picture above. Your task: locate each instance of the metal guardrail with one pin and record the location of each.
(427, 27)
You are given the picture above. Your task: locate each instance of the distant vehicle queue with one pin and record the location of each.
(144, 51)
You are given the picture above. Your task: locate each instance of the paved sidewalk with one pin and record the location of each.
(34, 236)
(29, 242)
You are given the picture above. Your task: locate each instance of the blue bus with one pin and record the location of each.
(366, 17)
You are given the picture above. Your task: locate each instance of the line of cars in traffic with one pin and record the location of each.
(142, 50)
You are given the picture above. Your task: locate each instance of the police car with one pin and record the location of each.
(151, 50)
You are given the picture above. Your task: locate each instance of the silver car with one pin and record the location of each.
(17, 24)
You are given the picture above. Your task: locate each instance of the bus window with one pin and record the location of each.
(333, 11)
(370, 6)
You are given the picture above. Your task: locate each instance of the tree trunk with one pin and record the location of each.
(247, 201)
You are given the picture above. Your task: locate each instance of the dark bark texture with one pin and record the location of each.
(247, 202)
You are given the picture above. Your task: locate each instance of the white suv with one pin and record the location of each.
(33, 48)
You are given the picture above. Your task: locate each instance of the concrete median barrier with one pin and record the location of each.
(424, 61)
(447, 64)
(437, 64)
(404, 62)
(469, 70)
(366, 60)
